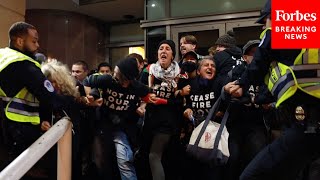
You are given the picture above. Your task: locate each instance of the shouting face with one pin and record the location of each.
(165, 55)
(185, 46)
(207, 69)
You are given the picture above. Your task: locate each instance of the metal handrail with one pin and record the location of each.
(60, 132)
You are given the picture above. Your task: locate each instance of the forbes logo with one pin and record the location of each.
(281, 15)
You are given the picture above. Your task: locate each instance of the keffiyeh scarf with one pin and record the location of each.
(167, 76)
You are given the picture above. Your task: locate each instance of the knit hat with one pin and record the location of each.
(227, 40)
(171, 44)
(129, 68)
(249, 45)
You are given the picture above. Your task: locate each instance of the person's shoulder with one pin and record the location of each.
(194, 83)
(138, 84)
(221, 55)
(104, 77)
(23, 66)
(140, 88)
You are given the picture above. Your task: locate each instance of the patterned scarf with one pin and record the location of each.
(167, 76)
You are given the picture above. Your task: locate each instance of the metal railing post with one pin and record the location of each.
(65, 155)
(17, 168)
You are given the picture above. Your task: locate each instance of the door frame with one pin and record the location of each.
(175, 30)
(241, 23)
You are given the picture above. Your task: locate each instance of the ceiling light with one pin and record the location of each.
(153, 5)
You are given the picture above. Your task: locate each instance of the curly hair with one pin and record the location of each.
(59, 74)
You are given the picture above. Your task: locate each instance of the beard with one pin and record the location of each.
(28, 52)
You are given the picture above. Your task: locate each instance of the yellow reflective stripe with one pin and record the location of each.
(308, 84)
(308, 80)
(9, 56)
(21, 118)
(305, 67)
(312, 56)
(312, 88)
(280, 80)
(286, 95)
(2, 93)
(6, 99)
(305, 57)
(298, 59)
(275, 72)
(21, 101)
(22, 112)
(31, 98)
(285, 88)
(264, 32)
(22, 93)
(3, 65)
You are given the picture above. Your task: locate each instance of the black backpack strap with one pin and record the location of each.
(222, 125)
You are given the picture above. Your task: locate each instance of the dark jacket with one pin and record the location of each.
(227, 59)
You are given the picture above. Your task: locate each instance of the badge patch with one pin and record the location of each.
(300, 114)
(48, 85)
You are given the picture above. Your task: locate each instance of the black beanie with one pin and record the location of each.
(129, 68)
(227, 40)
(171, 44)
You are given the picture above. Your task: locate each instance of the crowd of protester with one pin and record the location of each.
(134, 121)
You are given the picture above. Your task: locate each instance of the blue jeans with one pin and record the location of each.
(124, 156)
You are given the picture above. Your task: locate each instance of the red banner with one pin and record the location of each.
(295, 24)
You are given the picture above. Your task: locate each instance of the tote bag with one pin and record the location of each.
(209, 140)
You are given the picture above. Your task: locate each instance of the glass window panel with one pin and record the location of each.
(155, 9)
(126, 33)
(118, 54)
(244, 34)
(205, 39)
(154, 37)
(121, 52)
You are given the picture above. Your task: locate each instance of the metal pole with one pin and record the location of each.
(17, 168)
(65, 155)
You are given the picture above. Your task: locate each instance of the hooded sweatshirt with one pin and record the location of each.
(227, 59)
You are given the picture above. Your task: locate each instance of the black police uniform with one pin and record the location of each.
(286, 156)
(13, 78)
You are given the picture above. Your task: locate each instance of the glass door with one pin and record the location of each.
(206, 34)
(244, 30)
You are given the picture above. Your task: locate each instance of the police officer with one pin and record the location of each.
(23, 88)
(293, 80)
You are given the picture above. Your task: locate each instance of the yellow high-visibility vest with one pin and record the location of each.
(24, 106)
(283, 81)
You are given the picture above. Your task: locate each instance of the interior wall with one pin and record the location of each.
(70, 37)
(11, 11)
(126, 33)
